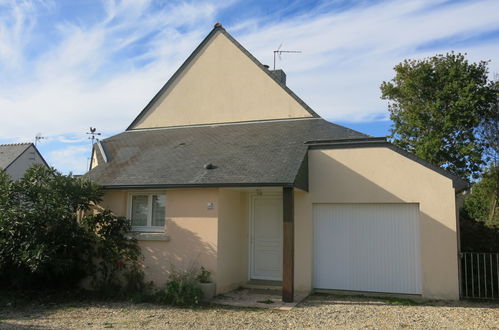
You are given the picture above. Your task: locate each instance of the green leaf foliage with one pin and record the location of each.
(116, 269)
(438, 106)
(181, 289)
(42, 243)
(477, 237)
(40, 239)
(482, 204)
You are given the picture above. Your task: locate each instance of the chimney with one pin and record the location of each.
(279, 75)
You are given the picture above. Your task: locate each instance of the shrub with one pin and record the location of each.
(116, 268)
(477, 237)
(42, 244)
(182, 289)
(204, 276)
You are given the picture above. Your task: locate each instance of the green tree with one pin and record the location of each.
(490, 130)
(438, 106)
(482, 204)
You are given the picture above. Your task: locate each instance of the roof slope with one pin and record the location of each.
(244, 154)
(10, 152)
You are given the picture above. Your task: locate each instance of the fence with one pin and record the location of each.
(479, 275)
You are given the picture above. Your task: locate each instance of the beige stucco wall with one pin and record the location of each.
(232, 239)
(221, 85)
(219, 238)
(192, 229)
(380, 175)
(94, 162)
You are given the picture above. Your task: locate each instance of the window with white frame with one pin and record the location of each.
(147, 211)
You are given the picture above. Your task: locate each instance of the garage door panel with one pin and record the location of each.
(337, 237)
(367, 247)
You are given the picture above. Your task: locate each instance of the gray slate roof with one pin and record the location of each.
(10, 152)
(245, 154)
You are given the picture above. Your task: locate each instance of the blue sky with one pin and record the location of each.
(69, 64)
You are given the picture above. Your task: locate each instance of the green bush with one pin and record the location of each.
(43, 245)
(41, 242)
(116, 268)
(477, 237)
(182, 289)
(204, 276)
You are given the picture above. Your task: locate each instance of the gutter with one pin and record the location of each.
(198, 185)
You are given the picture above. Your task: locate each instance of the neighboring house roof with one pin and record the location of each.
(244, 154)
(10, 152)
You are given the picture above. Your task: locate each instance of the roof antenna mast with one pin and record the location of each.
(93, 136)
(279, 52)
(93, 133)
(39, 137)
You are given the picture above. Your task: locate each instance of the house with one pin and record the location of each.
(227, 168)
(16, 158)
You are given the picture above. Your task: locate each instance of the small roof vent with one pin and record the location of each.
(209, 166)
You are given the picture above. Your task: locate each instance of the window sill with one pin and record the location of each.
(140, 236)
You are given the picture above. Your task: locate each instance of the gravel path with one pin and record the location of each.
(318, 311)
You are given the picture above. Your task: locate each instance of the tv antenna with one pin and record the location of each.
(279, 52)
(39, 137)
(93, 133)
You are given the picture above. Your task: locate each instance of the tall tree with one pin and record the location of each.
(438, 106)
(490, 129)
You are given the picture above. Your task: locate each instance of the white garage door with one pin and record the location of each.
(367, 247)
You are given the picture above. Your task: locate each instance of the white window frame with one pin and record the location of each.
(149, 228)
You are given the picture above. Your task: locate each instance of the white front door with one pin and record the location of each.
(266, 238)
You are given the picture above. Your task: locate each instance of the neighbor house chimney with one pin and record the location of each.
(279, 75)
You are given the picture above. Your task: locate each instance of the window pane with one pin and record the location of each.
(158, 210)
(139, 210)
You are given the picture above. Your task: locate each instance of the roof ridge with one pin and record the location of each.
(15, 144)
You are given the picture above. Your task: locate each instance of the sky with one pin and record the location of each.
(67, 65)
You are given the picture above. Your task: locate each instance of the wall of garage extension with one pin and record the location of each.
(380, 176)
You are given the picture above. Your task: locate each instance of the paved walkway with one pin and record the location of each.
(257, 298)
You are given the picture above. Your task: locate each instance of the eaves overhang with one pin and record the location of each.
(197, 185)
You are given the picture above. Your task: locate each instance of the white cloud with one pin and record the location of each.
(346, 56)
(69, 159)
(102, 74)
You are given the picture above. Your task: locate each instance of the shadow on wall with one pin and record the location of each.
(186, 250)
(438, 243)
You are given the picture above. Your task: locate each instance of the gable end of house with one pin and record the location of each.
(197, 93)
